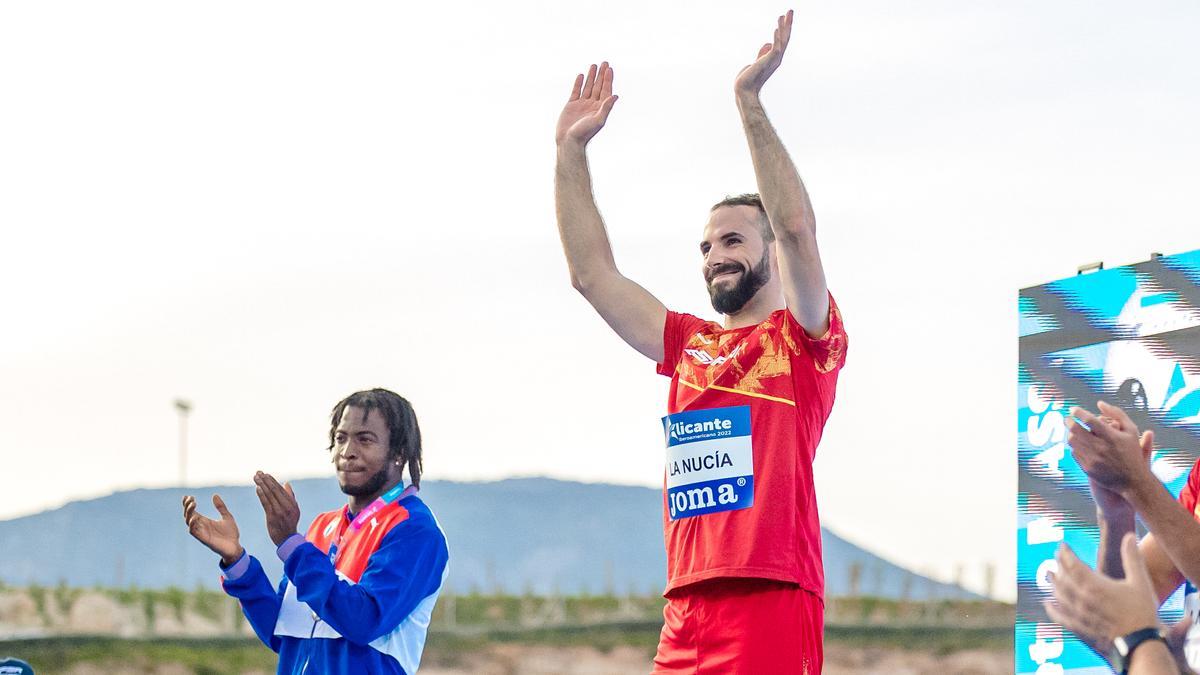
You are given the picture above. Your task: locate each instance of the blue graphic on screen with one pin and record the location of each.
(1129, 336)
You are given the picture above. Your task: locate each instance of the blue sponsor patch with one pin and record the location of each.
(710, 461)
(698, 425)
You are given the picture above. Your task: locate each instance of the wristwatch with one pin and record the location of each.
(1124, 645)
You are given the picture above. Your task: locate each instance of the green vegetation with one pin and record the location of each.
(498, 611)
(38, 594)
(209, 604)
(124, 596)
(447, 648)
(202, 657)
(466, 625)
(175, 597)
(938, 640)
(66, 596)
(443, 645)
(149, 609)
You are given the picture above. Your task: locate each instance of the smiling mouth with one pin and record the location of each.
(717, 277)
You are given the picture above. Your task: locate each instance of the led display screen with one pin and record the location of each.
(1129, 336)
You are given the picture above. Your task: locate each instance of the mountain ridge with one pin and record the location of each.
(515, 535)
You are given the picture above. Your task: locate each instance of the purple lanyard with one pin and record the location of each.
(394, 495)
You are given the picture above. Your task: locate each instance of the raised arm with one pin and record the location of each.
(1116, 519)
(636, 315)
(1114, 455)
(783, 194)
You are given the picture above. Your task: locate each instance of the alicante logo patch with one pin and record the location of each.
(710, 461)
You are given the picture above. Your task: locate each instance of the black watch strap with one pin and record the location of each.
(1127, 643)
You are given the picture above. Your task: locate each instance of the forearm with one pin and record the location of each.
(1176, 636)
(584, 239)
(259, 600)
(1175, 530)
(630, 310)
(1152, 658)
(791, 218)
(779, 185)
(1113, 528)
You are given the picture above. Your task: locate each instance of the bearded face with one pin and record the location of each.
(730, 298)
(369, 486)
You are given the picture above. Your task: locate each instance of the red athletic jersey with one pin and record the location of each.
(1188, 497)
(787, 379)
(1190, 493)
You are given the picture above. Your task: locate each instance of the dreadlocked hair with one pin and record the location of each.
(403, 431)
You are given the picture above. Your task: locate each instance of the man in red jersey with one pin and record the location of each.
(748, 399)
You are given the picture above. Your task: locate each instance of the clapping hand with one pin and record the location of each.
(280, 506)
(1096, 608)
(1110, 449)
(221, 536)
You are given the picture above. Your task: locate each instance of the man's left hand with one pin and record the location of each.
(1096, 608)
(755, 75)
(280, 506)
(1111, 453)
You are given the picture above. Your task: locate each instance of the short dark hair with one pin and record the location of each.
(750, 199)
(403, 431)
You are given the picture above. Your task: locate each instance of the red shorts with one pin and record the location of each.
(734, 625)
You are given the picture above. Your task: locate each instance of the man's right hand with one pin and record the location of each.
(752, 78)
(1110, 451)
(221, 536)
(587, 110)
(1110, 502)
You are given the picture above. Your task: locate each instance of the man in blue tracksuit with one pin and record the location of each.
(359, 587)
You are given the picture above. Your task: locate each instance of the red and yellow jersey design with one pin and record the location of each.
(754, 361)
(788, 379)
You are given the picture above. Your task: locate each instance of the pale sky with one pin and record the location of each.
(262, 207)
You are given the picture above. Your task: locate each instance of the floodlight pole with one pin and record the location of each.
(184, 407)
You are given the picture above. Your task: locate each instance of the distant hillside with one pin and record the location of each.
(516, 535)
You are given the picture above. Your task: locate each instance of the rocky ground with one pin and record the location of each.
(514, 659)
